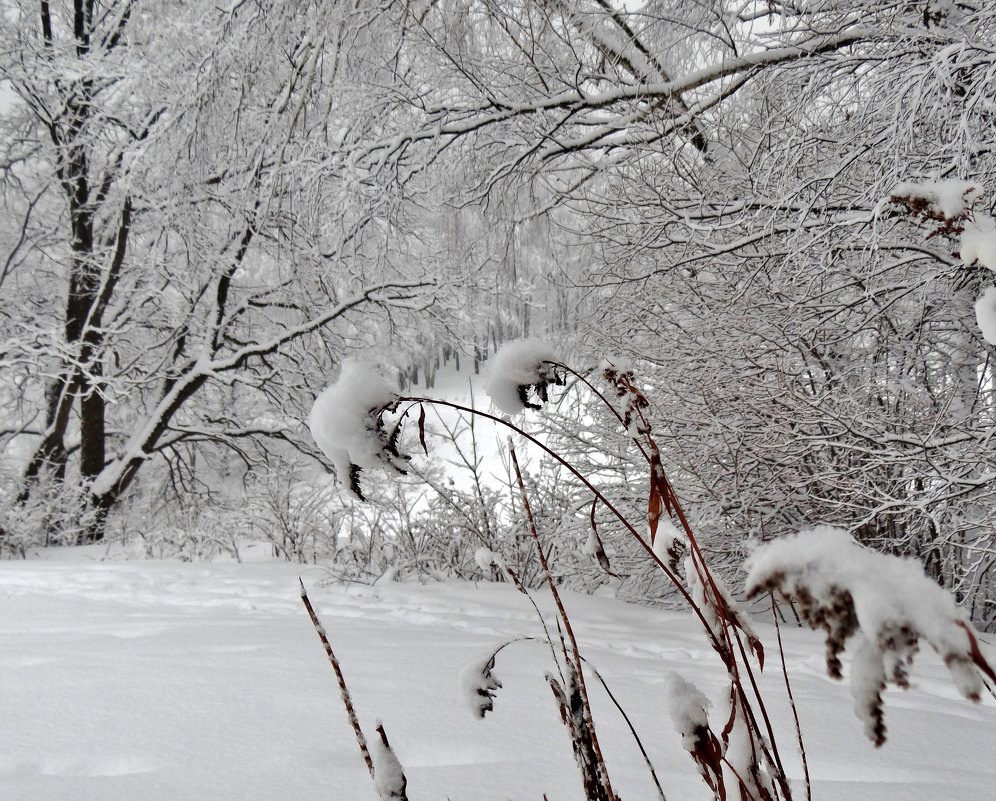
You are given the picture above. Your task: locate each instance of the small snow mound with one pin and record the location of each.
(518, 367)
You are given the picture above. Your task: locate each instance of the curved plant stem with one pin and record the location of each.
(791, 696)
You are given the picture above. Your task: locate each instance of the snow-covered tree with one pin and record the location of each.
(196, 220)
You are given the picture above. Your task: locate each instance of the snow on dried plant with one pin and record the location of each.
(521, 369)
(479, 684)
(886, 603)
(883, 604)
(347, 422)
(688, 708)
(388, 775)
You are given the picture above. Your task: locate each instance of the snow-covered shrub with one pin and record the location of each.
(55, 514)
(302, 521)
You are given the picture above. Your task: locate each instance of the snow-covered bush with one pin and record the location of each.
(51, 516)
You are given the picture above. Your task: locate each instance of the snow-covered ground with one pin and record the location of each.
(125, 680)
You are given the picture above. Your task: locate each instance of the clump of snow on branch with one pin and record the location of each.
(669, 543)
(485, 558)
(938, 200)
(887, 601)
(688, 709)
(985, 314)
(479, 684)
(347, 423)
(519, 369)
(978, 242)
(388, 774)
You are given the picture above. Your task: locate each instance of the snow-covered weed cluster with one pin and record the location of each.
(884, 603)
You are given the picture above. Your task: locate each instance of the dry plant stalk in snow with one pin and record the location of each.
(382, 764)
(737, 753)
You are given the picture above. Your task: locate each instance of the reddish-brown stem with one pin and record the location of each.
(565, 620)
(725, 642)
(623, 520)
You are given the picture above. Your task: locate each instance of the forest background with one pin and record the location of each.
(208, 208)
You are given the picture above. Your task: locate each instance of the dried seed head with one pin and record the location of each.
(479, 686)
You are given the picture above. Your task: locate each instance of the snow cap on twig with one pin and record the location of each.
(389, 776)
(687, 707)
(347, 423)
(520, 369)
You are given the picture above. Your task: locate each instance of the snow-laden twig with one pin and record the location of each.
(383, 765)
(347, 700)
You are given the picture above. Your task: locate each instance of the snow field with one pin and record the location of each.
(160, 680)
